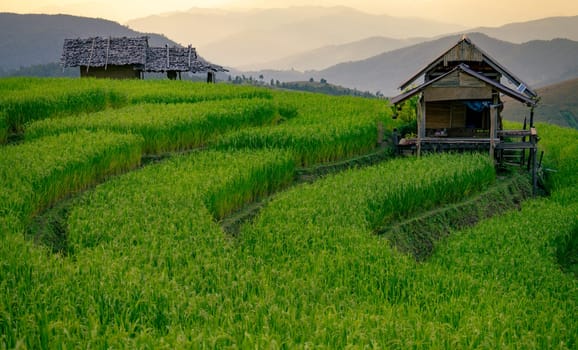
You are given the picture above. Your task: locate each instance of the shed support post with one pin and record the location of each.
(421, 115)
(534, 152)
(395, 140)
(493, 129)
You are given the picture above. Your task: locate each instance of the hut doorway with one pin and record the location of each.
(478, 115)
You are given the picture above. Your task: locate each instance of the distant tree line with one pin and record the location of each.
(322, 86)
(41, 70)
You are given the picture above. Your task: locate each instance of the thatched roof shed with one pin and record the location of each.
(101, 52)
(130, 57)
(160, 59)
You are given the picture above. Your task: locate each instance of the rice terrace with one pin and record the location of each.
(173, 214)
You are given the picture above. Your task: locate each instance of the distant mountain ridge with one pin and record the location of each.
(328, 56)
(542, 29)
(245, 38)
(324, 57)
(558, 105)
(34, 39)
(538, 63)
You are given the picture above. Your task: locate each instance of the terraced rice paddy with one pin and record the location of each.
(143, 262)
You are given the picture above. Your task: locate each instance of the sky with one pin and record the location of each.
(470, 13)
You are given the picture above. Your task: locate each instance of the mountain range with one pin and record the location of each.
(538, 63)
(306, 38)
(558, 105)
(541, 29)
(27, 40)
(241, 38)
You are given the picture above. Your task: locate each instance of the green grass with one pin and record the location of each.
(325, 129)
(24, 100)
(36, 174)
(29, 99)
(144, 255)
(144, 263)
(560, 158)
(167, 127)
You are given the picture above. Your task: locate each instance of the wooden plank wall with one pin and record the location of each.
(440, 115)
(111, 72)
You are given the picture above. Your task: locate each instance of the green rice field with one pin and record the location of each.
(116, 196)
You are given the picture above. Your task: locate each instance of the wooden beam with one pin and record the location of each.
(514, 133)
(457, 93)
(516, 145)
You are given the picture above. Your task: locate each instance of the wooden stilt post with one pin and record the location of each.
(493, 129)
(523, 153)
(534, 171)
(395, 140)
(421, 115)
(534, 153)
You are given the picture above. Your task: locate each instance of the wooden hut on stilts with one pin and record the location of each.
(459, 107)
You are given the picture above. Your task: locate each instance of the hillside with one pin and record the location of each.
(27, 40)
(538, 63)
(542, 29)
(169, 214)
(324, 57)
(558, 105)
(243, 38)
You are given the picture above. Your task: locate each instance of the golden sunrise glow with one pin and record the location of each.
(465, 12)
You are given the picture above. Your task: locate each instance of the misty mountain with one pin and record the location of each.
(558, 105)
(246, 38)
(27, 40)
(331, 55)
(537, 62)
(321, 58)
(542, 29)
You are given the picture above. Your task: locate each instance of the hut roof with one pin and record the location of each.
(160, 59)
(458, 52)
(465, 69)
(100, 52)
(203, 65)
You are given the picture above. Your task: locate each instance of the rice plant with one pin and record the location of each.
(166, 128)
(560, 160)
(148, 265)
(36, 99)
(326, 129)
(28, 99)
(36, 174)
